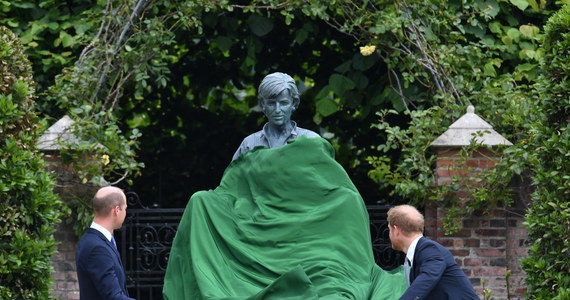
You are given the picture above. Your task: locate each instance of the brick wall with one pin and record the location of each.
(487, 245)
(65, 285)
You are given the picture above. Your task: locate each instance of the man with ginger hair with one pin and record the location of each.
(431, 270)
(99, 267)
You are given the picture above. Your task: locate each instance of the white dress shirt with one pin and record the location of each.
(410, 258)
(103, 230)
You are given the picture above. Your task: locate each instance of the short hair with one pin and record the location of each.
(407, 218)
(275, 83)
(103, 204)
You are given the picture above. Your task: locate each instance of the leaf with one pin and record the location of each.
(376, 100)
(323, 92)
(389, 94)
(66, 39)
(340, 84)
(526, 67)
(224, 43)
(521, 4)
(507, 40)
(360, 80)
(326, 107)
(430, 36)
(533, 4)
(260, 25)
(514, 34)
(495, 27)
(301, 36)
(81, 28)
(493, 8)
(353, 99)
(489, 70)
(344, 67)
(139, 120)
(529, 31)
(363, 63)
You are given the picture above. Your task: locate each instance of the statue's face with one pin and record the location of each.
(279, 109)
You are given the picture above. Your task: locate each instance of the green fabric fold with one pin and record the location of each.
(284, 223)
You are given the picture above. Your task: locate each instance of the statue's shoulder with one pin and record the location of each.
(253, 140)
(307, 132)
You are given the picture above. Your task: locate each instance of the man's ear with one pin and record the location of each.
(396, 229)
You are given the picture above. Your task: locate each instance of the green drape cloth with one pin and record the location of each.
(284, 223)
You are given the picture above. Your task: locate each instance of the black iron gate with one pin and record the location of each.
(145, 241)
(147, 234)
(384, 255)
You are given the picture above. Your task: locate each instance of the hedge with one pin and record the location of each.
(29, 209)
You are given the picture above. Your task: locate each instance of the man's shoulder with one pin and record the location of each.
(426, 244)
(430, 247)
(90, 238)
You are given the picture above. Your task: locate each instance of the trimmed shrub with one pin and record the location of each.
(548, 218)
(29, 209)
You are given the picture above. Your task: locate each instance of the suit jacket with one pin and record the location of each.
(436, 276)
(99, 269)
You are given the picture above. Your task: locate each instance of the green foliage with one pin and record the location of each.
(478, 52)
(28, 207)
(548, 218)
(53, 32)
(124, 49)
(413, 176)
(80, 215)
(173, 69)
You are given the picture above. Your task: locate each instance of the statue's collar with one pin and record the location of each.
(293, 132)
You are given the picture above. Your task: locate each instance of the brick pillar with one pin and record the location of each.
(486, 246)
(69, 187)
(65, 285)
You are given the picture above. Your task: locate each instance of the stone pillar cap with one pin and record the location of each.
(59, 135)
(470, 129)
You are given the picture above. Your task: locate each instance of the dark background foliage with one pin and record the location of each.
(190, 140)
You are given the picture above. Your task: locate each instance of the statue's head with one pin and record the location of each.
(278, 97)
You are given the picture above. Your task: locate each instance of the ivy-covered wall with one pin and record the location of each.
(28, 207)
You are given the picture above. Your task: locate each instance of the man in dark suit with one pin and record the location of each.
(431, 270)
(99, 268)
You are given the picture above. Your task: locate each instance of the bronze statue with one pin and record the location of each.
(278, 99)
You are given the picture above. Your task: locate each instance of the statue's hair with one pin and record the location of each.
(407, 217)
(102, 205)
(275, 83)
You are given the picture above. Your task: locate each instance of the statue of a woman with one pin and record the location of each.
(278, 99)
(285, 222)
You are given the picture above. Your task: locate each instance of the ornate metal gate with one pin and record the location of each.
(384, 255)
(147, 234)
(145, 241)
